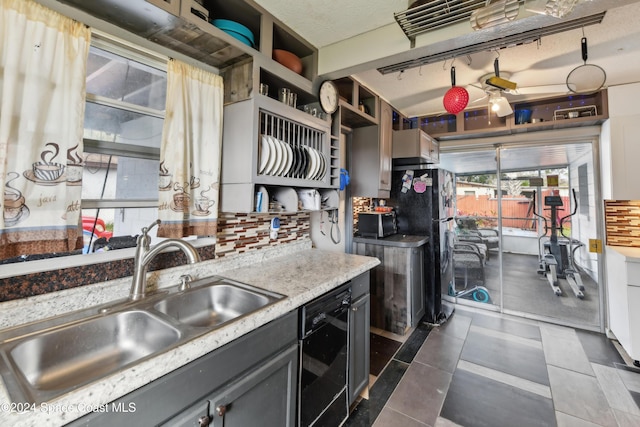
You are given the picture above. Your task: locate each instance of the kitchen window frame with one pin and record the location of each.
(116, 45)
(95, 146)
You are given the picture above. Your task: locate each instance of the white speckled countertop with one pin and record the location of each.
(295, 270)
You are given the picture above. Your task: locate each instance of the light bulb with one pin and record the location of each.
(495, 107)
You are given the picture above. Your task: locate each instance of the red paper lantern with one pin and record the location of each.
(456, 98)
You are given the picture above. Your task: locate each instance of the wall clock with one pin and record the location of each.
(328, 95)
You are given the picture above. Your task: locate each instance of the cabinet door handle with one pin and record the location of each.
(221, 410)
(204, 421)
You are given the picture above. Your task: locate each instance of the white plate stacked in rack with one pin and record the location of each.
(279, 158)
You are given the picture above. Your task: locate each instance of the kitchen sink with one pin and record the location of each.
(215, 304)
(46, 359)
(78, 353)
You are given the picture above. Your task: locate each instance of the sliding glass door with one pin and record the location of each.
(548, 215)
(529, 212)
(476, 247)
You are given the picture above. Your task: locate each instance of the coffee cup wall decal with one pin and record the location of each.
(203, 203)
(74, 165)
(47, 171)
(74, 173)
(181, 198)
(15, 209)
(181, 201)
(194, 182)
(164, 180)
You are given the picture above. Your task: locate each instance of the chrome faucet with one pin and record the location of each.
(144, 255)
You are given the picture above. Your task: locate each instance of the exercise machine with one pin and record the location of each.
(556, 255)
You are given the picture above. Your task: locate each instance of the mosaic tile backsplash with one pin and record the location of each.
(360, 204)
(237, 233)
(622, 222)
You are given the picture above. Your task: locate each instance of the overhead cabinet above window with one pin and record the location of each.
(414, 146)
(216, 32)
(558, 112)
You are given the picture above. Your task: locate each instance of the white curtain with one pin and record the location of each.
(43, 59)
(190, 152)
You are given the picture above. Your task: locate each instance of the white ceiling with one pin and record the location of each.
(324, 22)
(614, 45)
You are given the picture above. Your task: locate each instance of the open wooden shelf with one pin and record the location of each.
(477, 123)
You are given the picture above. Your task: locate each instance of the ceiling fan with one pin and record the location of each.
(496, 102)
(493, 85)
(496, 86)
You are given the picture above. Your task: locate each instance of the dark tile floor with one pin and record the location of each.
(486, 369)
(382, 350)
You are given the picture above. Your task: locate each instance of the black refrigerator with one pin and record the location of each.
(426, 209)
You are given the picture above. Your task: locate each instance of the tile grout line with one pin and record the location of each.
(507, 337)
(504, 378)
(409, 364)
(615, 402)
(432, 330)
(405, 415)
(385, 405)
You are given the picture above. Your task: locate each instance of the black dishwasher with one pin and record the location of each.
(324, 335)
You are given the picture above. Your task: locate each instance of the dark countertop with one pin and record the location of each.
(398, 240)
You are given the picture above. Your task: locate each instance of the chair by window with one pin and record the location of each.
(468, 267)
(479, 248)
(468, 230)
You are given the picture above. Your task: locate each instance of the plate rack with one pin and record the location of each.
(311, 161)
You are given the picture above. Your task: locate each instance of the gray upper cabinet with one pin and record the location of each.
(371, 156)
(386, 145)
(415, 145)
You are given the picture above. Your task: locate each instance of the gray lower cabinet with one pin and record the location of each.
(418, 296)
(262, 397)
(359, 342)
(397, 285)
(250, 381)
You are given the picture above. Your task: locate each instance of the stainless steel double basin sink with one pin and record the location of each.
(46, 359)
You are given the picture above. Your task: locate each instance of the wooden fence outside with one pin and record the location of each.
(517, 211)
